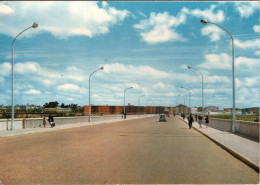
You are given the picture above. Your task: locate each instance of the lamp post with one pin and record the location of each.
(202, 89)
(89, 116)
(204, 21)
(183, 102)
(124, 100)
(189, 98)
(35, 25)
(139, 105)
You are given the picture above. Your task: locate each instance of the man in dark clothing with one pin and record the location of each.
(190, 119)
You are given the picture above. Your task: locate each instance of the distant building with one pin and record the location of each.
(194, 110)
(181, 109)
(250, 110)
(57, 110)
(211, 109)
(230, 109)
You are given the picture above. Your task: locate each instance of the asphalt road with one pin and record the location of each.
(142, 151)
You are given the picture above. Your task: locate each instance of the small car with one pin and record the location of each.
(162, 118)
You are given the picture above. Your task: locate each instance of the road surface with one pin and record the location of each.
(142, 151)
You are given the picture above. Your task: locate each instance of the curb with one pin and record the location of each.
(232, 152)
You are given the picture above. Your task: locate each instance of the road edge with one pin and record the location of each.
(232, 152)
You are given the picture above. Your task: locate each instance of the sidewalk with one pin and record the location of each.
(8, 133)
(244, 149)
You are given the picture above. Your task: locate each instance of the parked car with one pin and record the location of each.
(162, 118)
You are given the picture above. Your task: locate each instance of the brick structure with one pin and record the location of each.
(106, 109)
(100, 109)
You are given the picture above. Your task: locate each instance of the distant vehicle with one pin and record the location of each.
(167, 113)
(162, 118)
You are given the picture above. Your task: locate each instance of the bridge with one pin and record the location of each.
(132, 151)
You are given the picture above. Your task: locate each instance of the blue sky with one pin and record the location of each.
(147, 45)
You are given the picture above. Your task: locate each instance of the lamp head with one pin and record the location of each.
(102, 68)
(189, 67)
(182, 87)
(203, 21)
(35, 25)
(132, 87)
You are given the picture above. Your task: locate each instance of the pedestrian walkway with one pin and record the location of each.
(244, 149)
(8, 133)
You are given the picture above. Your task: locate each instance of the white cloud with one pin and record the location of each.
(248, 44)
(256, 28)
(213, 31)
(62, 19)
(159, 85)
(66, 87)
(208, 14)
(246, 9)
(224, 61)
(131, 70)
(215, 61)
(244, 62)
(6, 10)
(28, 67)
(32, 91)
(160, 28)
(5, 69)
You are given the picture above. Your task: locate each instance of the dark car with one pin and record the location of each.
(162, 118)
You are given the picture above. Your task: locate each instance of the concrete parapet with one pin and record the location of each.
(5, 124)
(247, 128)
(38, 122)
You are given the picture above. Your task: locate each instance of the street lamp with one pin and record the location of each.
(124, 100)
(139, 105)
(89, 116)
(35, 25)
(204, 21)
(189, 98)
(202, 89)
(183, 102)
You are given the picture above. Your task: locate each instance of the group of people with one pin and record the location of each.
(200, 118)
(50, 120)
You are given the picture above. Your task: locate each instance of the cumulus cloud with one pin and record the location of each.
(159, 85)
(62, 19)
(209, 14)
(66, 87)
(224, 61)
(160, 27)
(32, 91)
(244, 62)
(215, 61)
(5, 69)
(246, 9)
(213, 32)
(256, 28)
(6, 10)
(248, 44)
(132, 70)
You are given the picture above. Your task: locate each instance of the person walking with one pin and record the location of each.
(190, 120)
(51, 121)
(44, 122)
(200, 120)
(196, 117)
(207, 121)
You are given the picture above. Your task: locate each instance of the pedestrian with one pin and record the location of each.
(51, 121)
(190, 120)
(207, 121)
(44, 122)
(200, 120)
